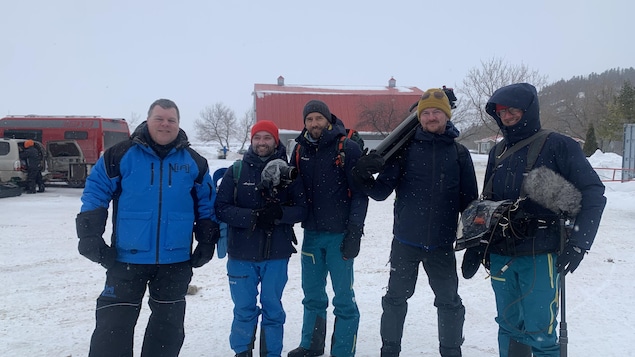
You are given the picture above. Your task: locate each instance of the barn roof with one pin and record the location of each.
(283, 104)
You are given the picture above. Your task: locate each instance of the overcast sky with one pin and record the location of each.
(114, 57)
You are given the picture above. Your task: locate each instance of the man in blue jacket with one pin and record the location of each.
(260, 202)
(332, 230)
(434, 180)
(524, 261)
(162, 193)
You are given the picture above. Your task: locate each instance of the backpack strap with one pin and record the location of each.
(237, 168)
(462, 153)
(297, 156)
(340, 160)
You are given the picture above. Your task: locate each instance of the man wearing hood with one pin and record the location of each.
(526, 261)
(434, 180)
(332, 231)
(260, 204)
(162, 193)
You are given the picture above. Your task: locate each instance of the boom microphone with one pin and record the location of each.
(552, 191)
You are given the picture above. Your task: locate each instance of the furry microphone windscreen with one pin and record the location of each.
(552, 191)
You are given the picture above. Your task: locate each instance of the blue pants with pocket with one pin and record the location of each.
(527, 292)
(244, 279)
(321, 256)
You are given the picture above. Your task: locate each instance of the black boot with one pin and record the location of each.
(450, 326)
(40, 188)
(247, 353)
(303, 352)
(390, 349)
(517, 349)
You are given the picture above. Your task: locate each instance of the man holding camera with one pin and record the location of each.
(332, 231)
(260, 201)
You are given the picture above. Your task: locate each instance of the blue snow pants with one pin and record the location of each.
(526, 302)
(321, 255)
(244, 278)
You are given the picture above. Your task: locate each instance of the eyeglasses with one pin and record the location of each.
(437, 94)
(510, 110)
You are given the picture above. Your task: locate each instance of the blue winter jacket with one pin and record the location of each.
(333, 200)
(155, 201)
(434, 180)
(235, 205)
(561, 154)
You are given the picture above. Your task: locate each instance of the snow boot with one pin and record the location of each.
(303, 352)
(517, 349)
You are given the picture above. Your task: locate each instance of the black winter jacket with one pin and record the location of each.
(561, 154)
(333, 201)
(245, 241)
(32, 158)
(433, 184)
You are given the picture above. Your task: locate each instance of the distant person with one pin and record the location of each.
(260, 202)
(434, 180)
(39, 180)
(524, 255)
(332, 231)
(161, 193)
(31, 157)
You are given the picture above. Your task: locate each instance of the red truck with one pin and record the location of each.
(73, 143)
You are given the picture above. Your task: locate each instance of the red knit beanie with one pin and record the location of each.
(28, 143)
(268, 126)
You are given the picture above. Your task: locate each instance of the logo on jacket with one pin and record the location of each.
(178, 168)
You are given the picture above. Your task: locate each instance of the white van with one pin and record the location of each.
(12, 169)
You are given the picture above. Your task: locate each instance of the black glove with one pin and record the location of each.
(206, 231)
(365, 167)
(569, 259)
(351, 241)
(202, 255)
(266, 217)
(90, 226)
(472, 261)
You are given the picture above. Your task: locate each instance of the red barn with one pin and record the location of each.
(283, 104)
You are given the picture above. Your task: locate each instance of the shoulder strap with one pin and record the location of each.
(237, 168)
(461, 152)
(535, 147)
(297, 156)
(502, 152)
(341, 155)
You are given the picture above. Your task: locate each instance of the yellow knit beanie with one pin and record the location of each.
(434, 98)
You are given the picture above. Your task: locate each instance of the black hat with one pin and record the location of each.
(317, 106)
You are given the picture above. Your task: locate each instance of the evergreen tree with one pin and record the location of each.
(591, 143)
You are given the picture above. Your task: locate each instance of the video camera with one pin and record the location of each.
(449, 92)
(277, 173)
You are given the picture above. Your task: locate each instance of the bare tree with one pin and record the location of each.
(243, 127)
(134, 121)
(480, 84)
(216, 124)
(383, 116)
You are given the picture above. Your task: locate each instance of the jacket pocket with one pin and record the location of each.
(134, 231)
(179, 231)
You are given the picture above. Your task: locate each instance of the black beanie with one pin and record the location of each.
(317, 106)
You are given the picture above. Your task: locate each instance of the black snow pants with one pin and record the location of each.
(440, 266)
(119, 305)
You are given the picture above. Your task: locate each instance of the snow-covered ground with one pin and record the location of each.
(48, 290)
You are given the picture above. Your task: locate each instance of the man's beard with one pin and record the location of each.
(264, 150)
